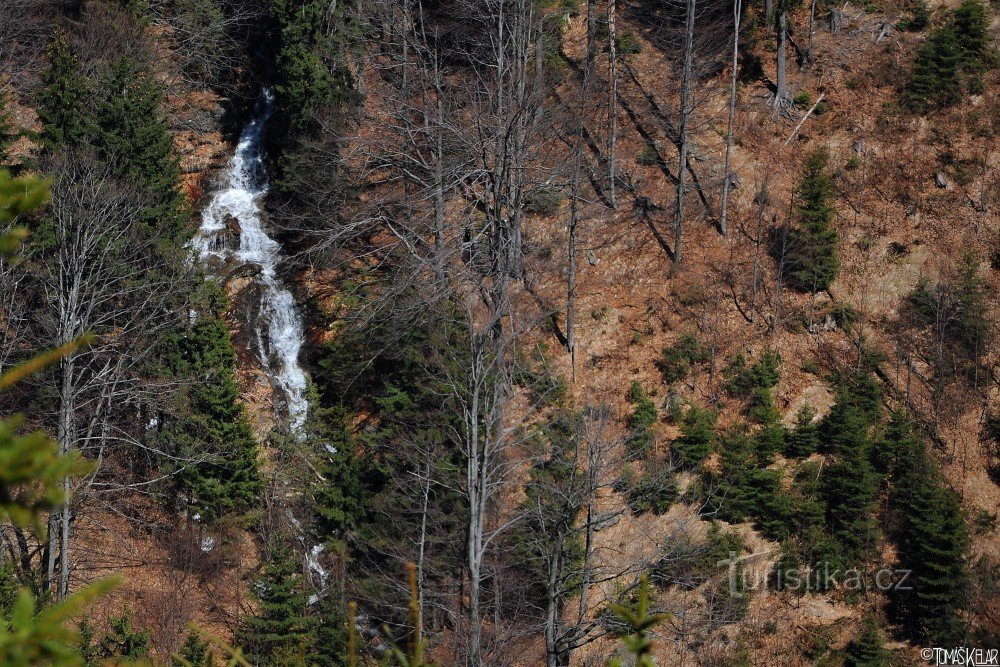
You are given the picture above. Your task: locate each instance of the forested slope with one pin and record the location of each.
(695, 293)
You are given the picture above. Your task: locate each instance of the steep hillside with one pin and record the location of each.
(591, 303)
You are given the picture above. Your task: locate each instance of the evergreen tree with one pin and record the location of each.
(641, 437)
(850, 483)
(935, 80)
(812, 260)
(749, 492)
(786, 573)
(306, 76)
(803, 439)
(281, 632)
(340, 501)
(868, 649)
(131, 134)
(655, 490)
(933, 540)
(697, 436)
(331, 646)
(120, 642)
(62, 101)
(971, 27)
(743, 379)
(769, 438)
(212, 427)
(959, 46)
(194, 653)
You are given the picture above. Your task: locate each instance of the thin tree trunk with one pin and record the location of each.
(809, 41)
(574, 217)
(422, 550)
(781, 82)
(727, 175)
(552, 607)
(66, 438)
(613, 138)
(685, 111)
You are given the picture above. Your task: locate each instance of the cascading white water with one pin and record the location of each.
(280, 333)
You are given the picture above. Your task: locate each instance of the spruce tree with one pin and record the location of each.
(749, 492)
(868, 649)
(340, 501)
(306, 80)
(933, 540)
(850, 484)
(641, 437)
(697, 436)
(803, 439)
(971, 27)
(935, 81)
(62, 101)
(812, 261)
(281, 632)
(194, 653)
(211, 428)
(955, 48)
(131, 134)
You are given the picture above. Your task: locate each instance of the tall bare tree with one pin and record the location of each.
(683, 130)
(100, 272)
(727, 175)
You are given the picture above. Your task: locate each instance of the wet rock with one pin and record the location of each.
(242, 271)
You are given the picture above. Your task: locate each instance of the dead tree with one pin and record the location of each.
(613, 109)
(574, 218)
(727, 175)
(781, 100)
(683, 138)
(88, 283)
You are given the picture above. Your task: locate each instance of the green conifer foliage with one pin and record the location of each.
(742, 379)
(644, 416)
(697, 436)
(120, 642)
(62, 101)
(750, 492)
(340, 501)
(212, 427)
(812, 261)
(131, 133)
(868, 649)
(972, 27)
(655, 490)
(803, 439)
(194, 653)
(785, 574)
(850, 484)
(933, 540)
(959, 46)
(678, 359)
(281, 632)
(935, 80)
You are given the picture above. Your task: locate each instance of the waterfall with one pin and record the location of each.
(279, 331)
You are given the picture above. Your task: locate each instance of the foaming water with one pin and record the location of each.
(279, 332)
